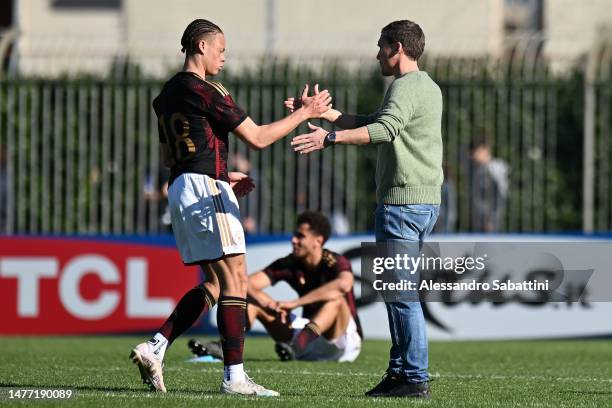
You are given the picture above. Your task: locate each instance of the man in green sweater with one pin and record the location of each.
(407, 132)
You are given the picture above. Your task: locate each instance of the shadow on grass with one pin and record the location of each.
(587, 392)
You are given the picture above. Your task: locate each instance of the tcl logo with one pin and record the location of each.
(29, 272)
(60, 286)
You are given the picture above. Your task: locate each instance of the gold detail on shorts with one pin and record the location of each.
(225, 231)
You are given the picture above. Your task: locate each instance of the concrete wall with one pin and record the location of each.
(56, 40)
(572, 27)
(60, 39)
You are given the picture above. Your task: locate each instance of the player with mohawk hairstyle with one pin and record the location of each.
(195, 116)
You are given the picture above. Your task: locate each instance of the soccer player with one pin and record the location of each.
(407, 132)
(323, 280)
(195, 116)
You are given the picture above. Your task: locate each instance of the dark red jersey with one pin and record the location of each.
(194, 119)
(291, 270)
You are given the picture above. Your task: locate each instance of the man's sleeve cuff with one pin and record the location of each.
(378, 133)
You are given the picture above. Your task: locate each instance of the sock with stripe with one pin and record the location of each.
(158, 344)
(306, 336)
(195, 302)
(231, 319)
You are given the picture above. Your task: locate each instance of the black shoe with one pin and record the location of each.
(285, 351)
(389, 381)
(209, 349)
(410, 390)
(214, 349)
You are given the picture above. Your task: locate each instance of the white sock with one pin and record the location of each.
(158, 344)
(234, 373)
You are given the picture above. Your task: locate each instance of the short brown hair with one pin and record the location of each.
(409, 34)
(318, 223)
(194, 33)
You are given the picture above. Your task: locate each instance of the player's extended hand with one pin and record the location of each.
(309, 142)
(316, 105)
(240, 183)
(293, 104)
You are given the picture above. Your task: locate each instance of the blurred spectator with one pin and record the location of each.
(155, 193)
(241, 163)
(340, 223)
(447, 219)
(489, 188)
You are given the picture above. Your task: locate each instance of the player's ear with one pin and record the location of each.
(397, 48)
(202, 46)
(320, 240)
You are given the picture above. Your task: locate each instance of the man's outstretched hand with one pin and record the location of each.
(309, 142)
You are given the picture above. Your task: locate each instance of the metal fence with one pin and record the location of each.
(79, 155)
(597, 175)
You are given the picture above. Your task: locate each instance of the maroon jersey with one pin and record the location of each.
(194, 119)
(290, 269)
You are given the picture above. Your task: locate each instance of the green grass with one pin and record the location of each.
(484, 374)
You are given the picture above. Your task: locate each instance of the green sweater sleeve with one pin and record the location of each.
(396, 111)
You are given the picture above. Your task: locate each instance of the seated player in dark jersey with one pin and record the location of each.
(329, 328)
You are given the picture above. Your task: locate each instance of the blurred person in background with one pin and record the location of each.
(195, 116)
(155, 194)
(447, 220)
(242, 164)
(489, 188)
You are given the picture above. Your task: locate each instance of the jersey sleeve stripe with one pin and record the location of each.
(222, 87)
(217, 86)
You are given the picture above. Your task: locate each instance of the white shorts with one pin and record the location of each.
(205, 218)
(345, 348)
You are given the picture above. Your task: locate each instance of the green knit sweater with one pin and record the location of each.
(408, 131)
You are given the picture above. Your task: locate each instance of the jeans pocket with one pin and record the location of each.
(415, 210)
(415, 221)
(392, 219)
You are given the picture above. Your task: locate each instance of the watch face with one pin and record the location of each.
(330, 139)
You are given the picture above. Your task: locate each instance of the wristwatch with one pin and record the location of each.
(330, 139)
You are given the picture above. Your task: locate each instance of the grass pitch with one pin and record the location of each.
(466, 374)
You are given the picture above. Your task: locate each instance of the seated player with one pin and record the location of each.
(329, 329)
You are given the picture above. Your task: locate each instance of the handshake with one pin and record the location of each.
(316, 106)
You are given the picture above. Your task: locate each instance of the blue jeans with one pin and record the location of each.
(409, 352)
